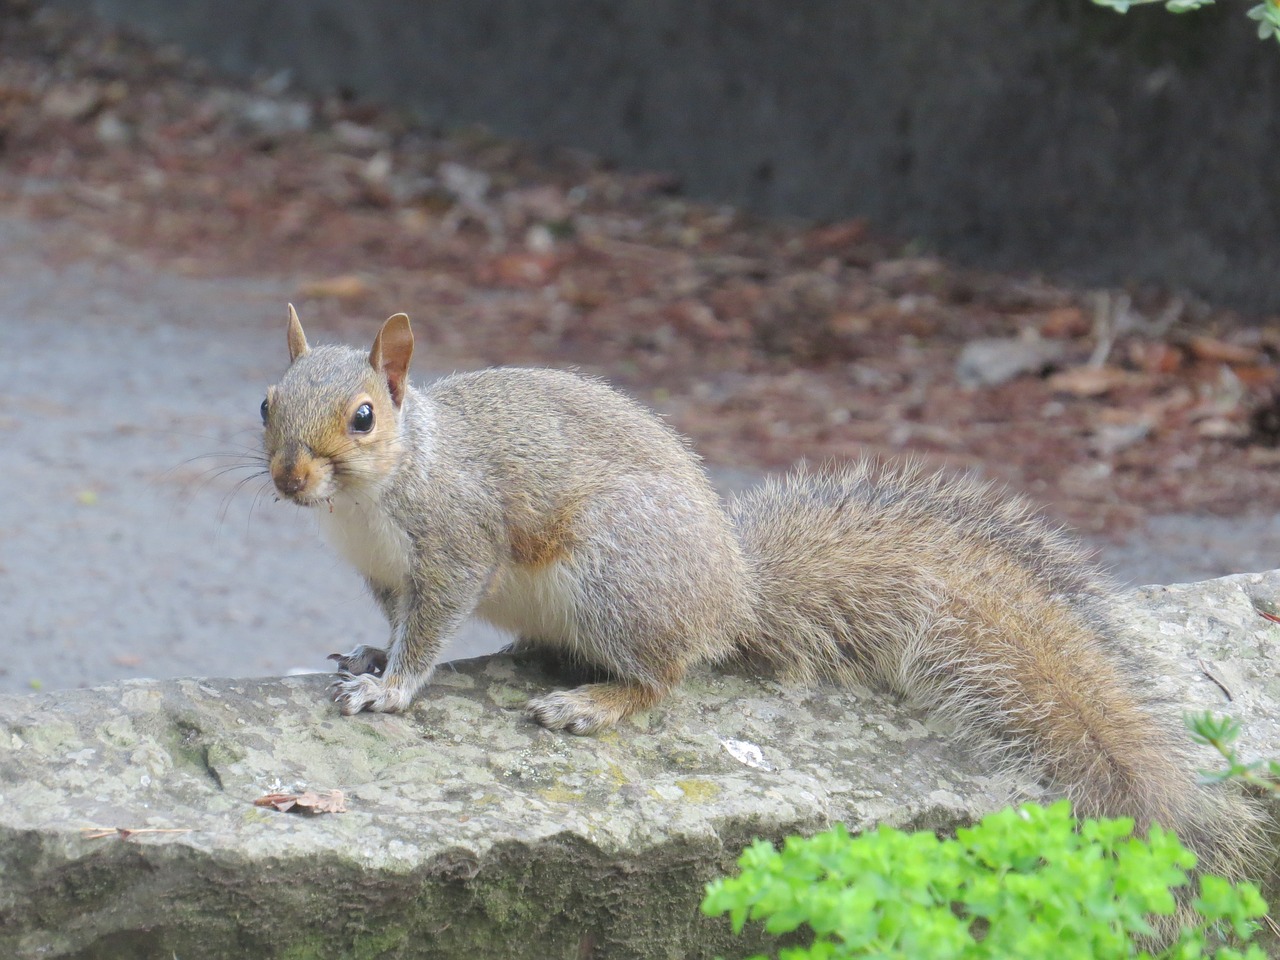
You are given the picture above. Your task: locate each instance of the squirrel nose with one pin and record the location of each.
(291, 473)
(289, 482)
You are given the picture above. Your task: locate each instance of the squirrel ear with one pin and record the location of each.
(391, 353)
(297, 339)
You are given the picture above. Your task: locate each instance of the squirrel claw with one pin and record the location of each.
(345, 693)
(363, 659)
(356, 692)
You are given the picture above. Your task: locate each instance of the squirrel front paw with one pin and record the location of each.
(365, 691)
(363, 659)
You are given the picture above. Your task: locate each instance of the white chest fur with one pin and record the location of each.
(537, 604)
(362, 532)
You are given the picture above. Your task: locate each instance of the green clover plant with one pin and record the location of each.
(1266, 13)
(1026, 882)
(1221, 733)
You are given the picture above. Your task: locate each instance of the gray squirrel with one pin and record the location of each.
(554, 507)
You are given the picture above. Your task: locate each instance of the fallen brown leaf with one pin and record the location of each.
(838, 235)
(1213, 350)
(348, 286)
(1090, 381)
(1064, 323)
(520, 270)
(125, 833)
(1220, 428)
(1259, 376)
(1155, 356)
(309, 801)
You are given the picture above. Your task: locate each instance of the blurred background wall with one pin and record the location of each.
(1047, 135)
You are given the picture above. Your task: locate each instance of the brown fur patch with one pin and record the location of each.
(620, 700)
(541, 544)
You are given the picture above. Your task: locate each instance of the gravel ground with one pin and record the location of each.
(126, 551)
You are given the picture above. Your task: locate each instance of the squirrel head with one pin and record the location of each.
(332, 423)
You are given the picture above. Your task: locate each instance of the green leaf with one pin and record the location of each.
(1024, 882)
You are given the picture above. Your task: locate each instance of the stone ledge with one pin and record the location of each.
(472, 832)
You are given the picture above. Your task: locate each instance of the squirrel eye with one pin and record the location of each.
(264, 411)
(362, 419)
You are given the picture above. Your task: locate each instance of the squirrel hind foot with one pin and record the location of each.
(592, 707)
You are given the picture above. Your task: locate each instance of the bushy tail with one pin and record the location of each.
(966, 602)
